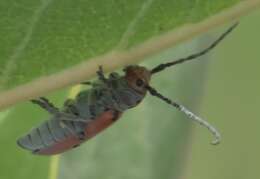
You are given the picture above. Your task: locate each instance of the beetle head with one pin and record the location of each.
(137, 77)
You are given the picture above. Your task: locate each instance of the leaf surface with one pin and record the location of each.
(47, 37)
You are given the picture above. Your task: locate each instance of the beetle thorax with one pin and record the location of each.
(130, 89)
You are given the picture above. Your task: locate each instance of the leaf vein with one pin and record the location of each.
(11, 64)
(132, 27)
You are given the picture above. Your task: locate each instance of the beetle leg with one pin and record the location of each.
(101, 75)
(45, 104)
(63, 116)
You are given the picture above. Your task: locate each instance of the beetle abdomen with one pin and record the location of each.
(55, 136)
(48, 133)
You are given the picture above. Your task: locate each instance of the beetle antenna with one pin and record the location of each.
(196, 55)
(192, 116)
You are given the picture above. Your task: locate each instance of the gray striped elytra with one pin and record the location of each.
(94, 109)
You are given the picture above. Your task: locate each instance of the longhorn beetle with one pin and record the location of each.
(95, 109)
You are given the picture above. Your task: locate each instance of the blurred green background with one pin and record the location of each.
(232, 99)
(154, 141)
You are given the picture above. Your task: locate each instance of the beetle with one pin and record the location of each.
(95, 109)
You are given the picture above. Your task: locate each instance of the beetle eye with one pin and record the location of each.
(139, 82)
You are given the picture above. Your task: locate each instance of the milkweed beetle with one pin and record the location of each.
(95, 109)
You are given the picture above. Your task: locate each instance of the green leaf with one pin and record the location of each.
(232, 99)
(137, 144)
(47, 37)
(40, 38)
(144, 143)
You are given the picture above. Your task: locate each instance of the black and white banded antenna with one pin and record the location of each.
(180, 107)
(195, 55)
(188, 113)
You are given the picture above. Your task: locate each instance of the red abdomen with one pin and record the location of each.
(91, 129)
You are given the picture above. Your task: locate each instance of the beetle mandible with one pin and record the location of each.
(95, 109)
